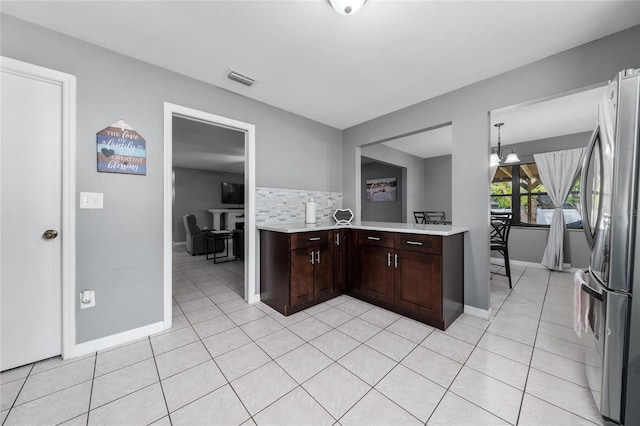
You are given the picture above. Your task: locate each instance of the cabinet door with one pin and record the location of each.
(302, 268)
(338, 241)
(351, 249)
(323, 271)
(418, 282)
(375, 272)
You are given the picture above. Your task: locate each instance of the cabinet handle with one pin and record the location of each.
(337, 238)
(314, 239)
(414, 243)
(318, 257)
(373, 238)
(396, 260)
(312, 258)
(388, 259)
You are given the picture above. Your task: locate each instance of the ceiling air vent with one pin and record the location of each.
(242, 79)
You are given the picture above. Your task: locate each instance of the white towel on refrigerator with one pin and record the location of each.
(580, 304)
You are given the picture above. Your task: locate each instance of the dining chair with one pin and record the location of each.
(500, 228)
(420, 217)
(435, 217)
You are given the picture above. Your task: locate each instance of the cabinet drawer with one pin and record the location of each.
(308, 239)
(376, 238)
(417, 242)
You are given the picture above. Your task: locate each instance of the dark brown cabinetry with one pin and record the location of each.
(375, 268)
(323, 273)
(341, 253)
(420, 276)
(417, 283)
(296, 270)
(302, 277)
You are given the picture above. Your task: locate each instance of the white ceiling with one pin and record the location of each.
(430, 143)
(338, 70)
(198, 145)
(563, 115)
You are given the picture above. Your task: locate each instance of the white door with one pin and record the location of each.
(31, 192)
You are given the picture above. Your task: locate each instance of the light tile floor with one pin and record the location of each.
(344, 361)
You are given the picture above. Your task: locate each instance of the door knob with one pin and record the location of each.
(50, 234)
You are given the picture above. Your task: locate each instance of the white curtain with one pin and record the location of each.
(558, 171)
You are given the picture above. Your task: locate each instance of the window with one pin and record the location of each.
(531, 199)
(501, 191)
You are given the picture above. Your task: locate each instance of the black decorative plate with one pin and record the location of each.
(343, 215)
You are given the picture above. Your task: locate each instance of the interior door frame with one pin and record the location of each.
(67, 83)
(171, 110)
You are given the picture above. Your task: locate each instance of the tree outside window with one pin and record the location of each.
(501, 190)
(533, 205)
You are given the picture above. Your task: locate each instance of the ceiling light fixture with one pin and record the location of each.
(497, 155)
(347, 7)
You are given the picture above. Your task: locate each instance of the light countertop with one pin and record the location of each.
(411, 228)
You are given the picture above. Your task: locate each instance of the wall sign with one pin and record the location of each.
(121, 150)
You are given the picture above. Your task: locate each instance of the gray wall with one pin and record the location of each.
(120, 248)
(413, 177)
(437, 184)
(388, 211)
(197, 191)
(468, 109)
(577, 249)
(528, 244)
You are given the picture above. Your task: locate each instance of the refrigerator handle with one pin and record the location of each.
(586, 225)
(591, 292)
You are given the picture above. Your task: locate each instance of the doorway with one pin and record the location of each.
(37, 253)
(422, 160)
(516, 188)
(172, 112)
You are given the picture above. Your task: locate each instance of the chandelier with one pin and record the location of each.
(498, 155)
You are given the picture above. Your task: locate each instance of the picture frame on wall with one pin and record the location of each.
(384, 189)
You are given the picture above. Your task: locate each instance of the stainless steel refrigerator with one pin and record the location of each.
(610, 192)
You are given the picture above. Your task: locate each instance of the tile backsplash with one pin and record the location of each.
(275, 205)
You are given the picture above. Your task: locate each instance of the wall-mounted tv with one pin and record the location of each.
(232, 193)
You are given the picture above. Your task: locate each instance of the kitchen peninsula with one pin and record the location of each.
(412, 269)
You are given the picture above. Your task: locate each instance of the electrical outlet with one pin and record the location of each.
(87, 299)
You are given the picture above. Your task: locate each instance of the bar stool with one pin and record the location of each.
(435, 217)
(500, 228)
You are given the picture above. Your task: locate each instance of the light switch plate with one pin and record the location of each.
(91, 200)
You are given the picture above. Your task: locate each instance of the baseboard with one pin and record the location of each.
(117, 339)
(484, 314)
(180, 243)
(500, 261)
(253, 298)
